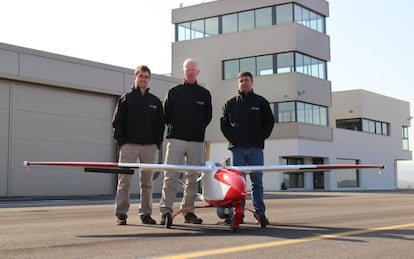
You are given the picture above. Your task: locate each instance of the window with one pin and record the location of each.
(211, 26)
(286, 112)
(264, 65)
(365, 125)
(197, 29)
(184, 31)
(263, 17)
(301, 112)
(250, 19)
(248, 64)
(231, 69)
(293, 180)
(284, 13)
(246, 20)
(405, 144)
(347, 177)
(229, 23)
(285, 62)
(309, 19)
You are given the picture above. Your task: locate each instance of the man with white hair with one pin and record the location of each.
(188, 111)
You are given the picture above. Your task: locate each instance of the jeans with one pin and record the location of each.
(252, 156)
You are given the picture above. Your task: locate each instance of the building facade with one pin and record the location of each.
(286, 47)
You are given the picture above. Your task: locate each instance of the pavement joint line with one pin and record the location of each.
(285, 242)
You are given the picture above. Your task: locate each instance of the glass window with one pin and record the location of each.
(197, 29)
(322, 66)
(184, 31)
(378, 128)
(306, 17)
(316, 115)
(324, 116)
(264, 65)
(368, 126)
(286, 112)
(231, 69)
(248, 64)
(371, 126)
(314, 67)
(284, 13)
(298, 13)
(293, 180)
(211, 26)
(405, 144)
(385, 128)
(308, 113)
(263, 17)
(320, 21)
(246, 20)
(301, 111)
(347, 177)
(229, 23)
(285, 62)
(300, 66)
(306, 65)
(313, 21)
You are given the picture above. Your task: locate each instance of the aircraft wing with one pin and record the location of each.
(118, 167)
(303, 167)
(128, 168)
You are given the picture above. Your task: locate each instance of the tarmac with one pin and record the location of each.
(372, 224)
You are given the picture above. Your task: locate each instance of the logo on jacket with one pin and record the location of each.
(152, 106)
(255, 108)
(200, 102)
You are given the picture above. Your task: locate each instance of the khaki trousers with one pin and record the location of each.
(132, 153)
(181, 152)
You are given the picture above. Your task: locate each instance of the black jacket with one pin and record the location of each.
(139, 119)
(188, 111)
(247, 121)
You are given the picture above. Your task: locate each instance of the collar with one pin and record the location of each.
(136, 90)
(188, 84)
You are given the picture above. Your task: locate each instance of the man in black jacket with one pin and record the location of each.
(246, 122)
(188, 111)
(138, 125)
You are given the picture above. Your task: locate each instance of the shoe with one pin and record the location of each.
(146, 219)
(166, 220)
(163, 219)
(261, 219)
(192, 218)
(121, 220)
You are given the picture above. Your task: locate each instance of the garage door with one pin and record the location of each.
(57, 124)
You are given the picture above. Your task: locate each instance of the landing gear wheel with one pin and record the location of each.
(168, 220)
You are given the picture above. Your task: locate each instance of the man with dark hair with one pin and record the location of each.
(246, 122)
(138, 125)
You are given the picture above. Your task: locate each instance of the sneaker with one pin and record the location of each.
(121, 220)
(261, 219)
(146, 219)
(192, 218)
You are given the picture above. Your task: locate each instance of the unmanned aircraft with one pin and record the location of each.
(222, 186)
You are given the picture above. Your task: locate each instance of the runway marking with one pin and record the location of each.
(285, 242)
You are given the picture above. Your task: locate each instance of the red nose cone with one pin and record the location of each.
(235, 180)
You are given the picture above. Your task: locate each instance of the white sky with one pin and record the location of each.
(372, 41)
